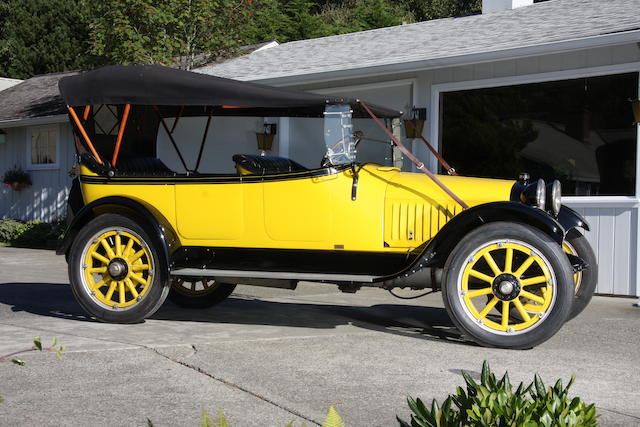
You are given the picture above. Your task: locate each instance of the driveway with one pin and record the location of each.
(270, 356)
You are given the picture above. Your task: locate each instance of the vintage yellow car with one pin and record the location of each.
(509, 259)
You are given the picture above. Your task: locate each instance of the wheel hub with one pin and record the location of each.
(118, 269)
(506, 287)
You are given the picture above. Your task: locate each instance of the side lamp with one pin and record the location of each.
(265, 138)
(415, 124)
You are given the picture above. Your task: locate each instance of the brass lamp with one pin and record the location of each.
(636, 110)
(265, 139)
(413, 127)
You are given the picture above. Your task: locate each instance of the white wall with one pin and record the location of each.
(227, 136)
(46, 199)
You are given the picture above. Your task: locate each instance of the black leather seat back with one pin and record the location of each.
(142, 166)
(266, 165)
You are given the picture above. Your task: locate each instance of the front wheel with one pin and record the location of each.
(115, 271)
(504, 268)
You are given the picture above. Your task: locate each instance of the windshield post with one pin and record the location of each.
(338, 134)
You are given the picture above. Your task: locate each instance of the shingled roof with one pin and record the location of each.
(35, 97)
(428, 43)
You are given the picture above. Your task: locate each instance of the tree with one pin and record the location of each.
(167, 32)
(425, 10)
(43, 36)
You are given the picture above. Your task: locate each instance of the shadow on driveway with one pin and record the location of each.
(422, 322)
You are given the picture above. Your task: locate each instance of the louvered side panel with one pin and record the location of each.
(409, 223)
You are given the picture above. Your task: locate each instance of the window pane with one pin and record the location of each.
(578, 131)
(43, 147)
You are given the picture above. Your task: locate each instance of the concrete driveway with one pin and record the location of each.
(270, 356)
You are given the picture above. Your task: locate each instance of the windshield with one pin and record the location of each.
(338, 135)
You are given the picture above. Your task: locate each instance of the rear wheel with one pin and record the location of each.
(198, 292)
(115, 271)
(504, 267)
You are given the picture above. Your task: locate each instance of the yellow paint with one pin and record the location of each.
(400, 209)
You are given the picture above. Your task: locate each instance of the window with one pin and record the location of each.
(579, 131)
(42, 147)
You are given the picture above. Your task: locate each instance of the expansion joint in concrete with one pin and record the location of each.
(234, 386)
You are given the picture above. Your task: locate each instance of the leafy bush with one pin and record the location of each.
(32, 234)
(494, 403)
(16, 174)
(10, 229)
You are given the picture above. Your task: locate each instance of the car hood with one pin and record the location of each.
(473, 191)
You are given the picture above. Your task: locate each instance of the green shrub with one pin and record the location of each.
(32, 234)
(494, 403)
(10, 229)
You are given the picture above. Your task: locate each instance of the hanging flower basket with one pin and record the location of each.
(16, 178)
(19, 186)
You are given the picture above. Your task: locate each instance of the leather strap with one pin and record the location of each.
(413, 158)
(443, 162)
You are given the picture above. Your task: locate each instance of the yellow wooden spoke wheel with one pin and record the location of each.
(194, 287)
(118, 268)
(577, 277)
(508, 285)
(513, 276)
(117, 274)
(198, 292)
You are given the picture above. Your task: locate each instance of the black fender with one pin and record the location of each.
(158, 228)
(435, 252)
(571, 219)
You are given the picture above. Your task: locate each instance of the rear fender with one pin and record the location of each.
(156, 225)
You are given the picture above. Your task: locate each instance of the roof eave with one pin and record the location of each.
(460, 60)
(33, 121)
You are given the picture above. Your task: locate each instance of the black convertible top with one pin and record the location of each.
(164, 86)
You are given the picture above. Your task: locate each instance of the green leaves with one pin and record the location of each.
(494, 403)
(333, 419)
(219, 421)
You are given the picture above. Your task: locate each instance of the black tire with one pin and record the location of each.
(587, 279)
(149, 296)
(466, 257)
(201, 298)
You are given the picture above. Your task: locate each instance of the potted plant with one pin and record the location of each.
(16, 178)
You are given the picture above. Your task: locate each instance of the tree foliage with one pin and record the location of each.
(168, 32)
(42, 36)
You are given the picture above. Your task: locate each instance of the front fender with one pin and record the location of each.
(435, 252)
(156, 226)
(571, 219)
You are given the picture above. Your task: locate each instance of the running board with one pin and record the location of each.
(278, 275)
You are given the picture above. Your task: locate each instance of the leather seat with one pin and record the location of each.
(265, 165)
(143, 166)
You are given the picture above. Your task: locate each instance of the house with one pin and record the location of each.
(37, 138)
(541, 87)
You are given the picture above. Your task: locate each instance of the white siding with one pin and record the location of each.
(46, 199)
(613, 237)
